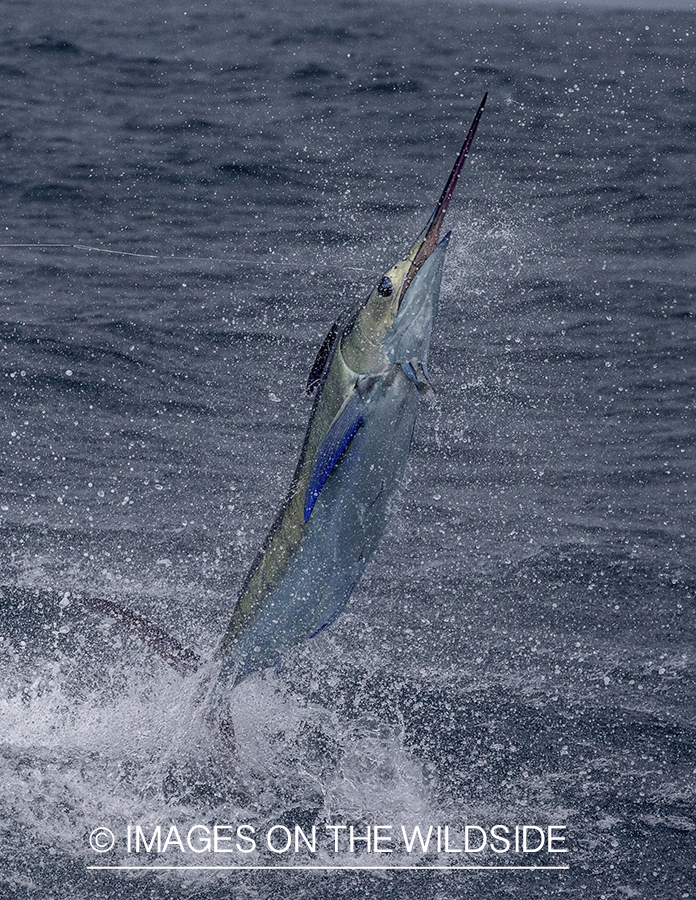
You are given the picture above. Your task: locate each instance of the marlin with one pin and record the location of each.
(366, 382)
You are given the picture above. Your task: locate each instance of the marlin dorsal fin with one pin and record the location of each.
(323, 357)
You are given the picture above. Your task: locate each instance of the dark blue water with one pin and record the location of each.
(521, 649)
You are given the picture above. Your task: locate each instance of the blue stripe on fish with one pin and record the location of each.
(349, 418)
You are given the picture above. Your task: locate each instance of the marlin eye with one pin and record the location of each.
(384, 288)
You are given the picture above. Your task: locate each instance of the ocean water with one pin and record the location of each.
(521, 648)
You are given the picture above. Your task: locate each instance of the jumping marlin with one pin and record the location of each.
(366, 382)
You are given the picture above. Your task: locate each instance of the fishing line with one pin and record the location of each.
(370, 272)
(145, 255)
(121, 252)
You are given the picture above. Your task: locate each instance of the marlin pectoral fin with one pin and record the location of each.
(417, 373)
(348, 419)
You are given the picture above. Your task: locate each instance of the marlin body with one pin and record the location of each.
(366, 382)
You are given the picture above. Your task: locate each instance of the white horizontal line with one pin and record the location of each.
(330, 868)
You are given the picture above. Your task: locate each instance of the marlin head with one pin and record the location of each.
(394, 324)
